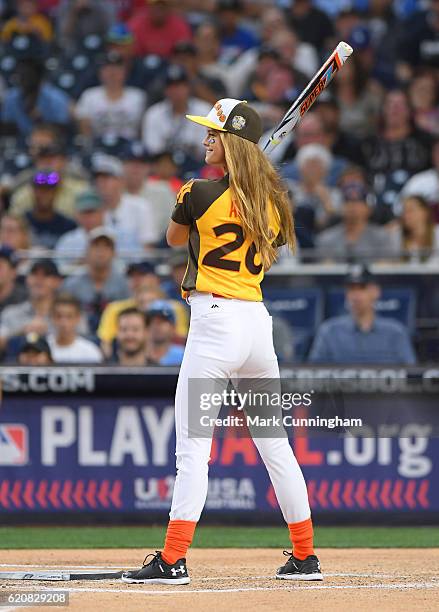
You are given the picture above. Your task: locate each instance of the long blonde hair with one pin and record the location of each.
(253, 184)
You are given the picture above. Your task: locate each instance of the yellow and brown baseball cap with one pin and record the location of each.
(234, 116)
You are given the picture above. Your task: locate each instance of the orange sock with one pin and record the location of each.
(301, 536)
(178, 539)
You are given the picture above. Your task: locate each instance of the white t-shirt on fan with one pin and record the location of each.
(80, 351)
(120, 117)
(133, 216)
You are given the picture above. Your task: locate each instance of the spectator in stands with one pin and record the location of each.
(11, 292)
(157, 28)
(203, 86)
(235, 38)
(124, 213)
(417, 236)
(34, 351)
(300, 56)
(34, 99)
(418, 42)
(27, 21)
(177, 264)
(32, 315)
(361, 336)
(144, 286)
(100, 282)
(314, 25)
(14, 232)
(132, 338)
(45, 223)
(15, 235)
(52, 155)
(426, 183)
(424, 99)
(272, 84)
(164, 125)
(111, 108)
(316, 204)
(358, 102)
(355, 237)
(309, 131)
(72, 246)
(161, 323)
(80, 18)
(342, 143)
(142, 73)
(66, 345)
(157, 198)
(399, 146)
(164, 170)
(208, 46)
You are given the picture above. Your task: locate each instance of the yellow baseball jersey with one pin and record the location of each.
(221, 259)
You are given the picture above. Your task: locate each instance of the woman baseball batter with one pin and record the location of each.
(233, 227)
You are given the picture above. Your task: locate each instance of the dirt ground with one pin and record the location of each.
(233, 579)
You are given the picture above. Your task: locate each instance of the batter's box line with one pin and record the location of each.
(325, 574)
(265, 577)
(284, 587)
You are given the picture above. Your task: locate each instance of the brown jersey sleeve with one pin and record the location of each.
(183, 209)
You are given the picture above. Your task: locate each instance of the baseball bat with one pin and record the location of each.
(309, 95)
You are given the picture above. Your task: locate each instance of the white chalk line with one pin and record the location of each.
(205, 579)
(279, 588)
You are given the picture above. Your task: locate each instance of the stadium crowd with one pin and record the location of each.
(95, 146)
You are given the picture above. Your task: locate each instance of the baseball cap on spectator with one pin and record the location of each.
(119, 34)
(161, 308)
(101, 233)
(7, 254)
(46, 178)
(140, 267)
(360, 37)
(175, 74)
(47, 266)
(185, 46)
(51, 150)
(314, 151)
(359, 275)
(135, 151)
(109, 144)
(88, 201)
(268, 51)
(111, 57)
(36, 343)
(355, 192)
(106, 164)
(229, 5)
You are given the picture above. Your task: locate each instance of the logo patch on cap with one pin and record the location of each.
(219, 112)
(238, 122)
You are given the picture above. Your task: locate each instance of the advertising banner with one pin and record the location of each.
(84, 453)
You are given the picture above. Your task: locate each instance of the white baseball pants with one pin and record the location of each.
(234, 338)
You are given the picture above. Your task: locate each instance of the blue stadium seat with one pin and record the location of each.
(302, 309)
(395, 303)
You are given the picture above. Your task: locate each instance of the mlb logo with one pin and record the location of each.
(14, 445)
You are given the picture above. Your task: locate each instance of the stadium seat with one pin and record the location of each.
(395, 303)
(302, 309)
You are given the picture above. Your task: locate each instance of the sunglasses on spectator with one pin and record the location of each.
(46, 179)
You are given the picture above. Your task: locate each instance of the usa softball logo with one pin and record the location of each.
(238, 122)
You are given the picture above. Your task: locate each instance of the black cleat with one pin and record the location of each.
(295, 569)
(157, 571)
